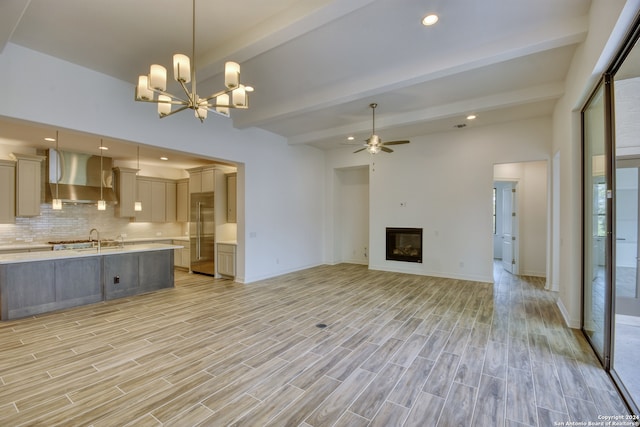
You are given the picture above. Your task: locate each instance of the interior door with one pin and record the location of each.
(509, 230)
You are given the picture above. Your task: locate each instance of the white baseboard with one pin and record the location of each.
(467, 277)
(534, 273)
(573, 324)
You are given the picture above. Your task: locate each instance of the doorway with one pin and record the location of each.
(505, 236)
(351, 215)
(520, 231)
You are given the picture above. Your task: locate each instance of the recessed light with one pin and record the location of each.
(102, 147)
(350, 138)
(471, 116)
(429, 20)
(164, 158)
(50, 139)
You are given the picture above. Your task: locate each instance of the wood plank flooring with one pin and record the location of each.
(397, 350)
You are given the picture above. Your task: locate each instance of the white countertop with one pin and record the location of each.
(22, 246)
(80, 253)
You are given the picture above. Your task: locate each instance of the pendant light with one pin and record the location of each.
(102, 205)
(137, 205)
(56, 204)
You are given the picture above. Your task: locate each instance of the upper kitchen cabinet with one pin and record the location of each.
(202, 180)
(159, 199)
(171, 197)
(232, 215)
(125, 185)
(182, 200)
(144, 196)
(28, 184)
(7, 191)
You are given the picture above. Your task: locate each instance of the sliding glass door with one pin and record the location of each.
(596, 224)
(626, 316)
(611, 219)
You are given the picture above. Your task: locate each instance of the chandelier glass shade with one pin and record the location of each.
(153, 87)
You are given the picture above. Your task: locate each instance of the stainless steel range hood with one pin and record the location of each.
(78, 177)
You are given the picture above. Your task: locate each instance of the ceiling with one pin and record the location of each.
(316, 65)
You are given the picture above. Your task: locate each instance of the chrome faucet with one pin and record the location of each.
(98, 236)
(121, 241)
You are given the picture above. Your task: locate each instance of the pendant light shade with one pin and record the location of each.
(223, 102)
(143, 93)
(158, 77)
(164, 105)
(181, 68)
(239, 96)
(231, 74)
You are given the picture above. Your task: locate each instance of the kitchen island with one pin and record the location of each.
(38, 282)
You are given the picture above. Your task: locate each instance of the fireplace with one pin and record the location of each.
(404, 244)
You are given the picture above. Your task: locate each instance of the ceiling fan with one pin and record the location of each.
(374, 144)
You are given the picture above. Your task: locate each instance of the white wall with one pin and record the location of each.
(281, 197)
(446, 182)
(609, 21)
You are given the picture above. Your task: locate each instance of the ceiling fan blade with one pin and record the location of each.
(385, 149)
(363, 148)
(395, 142)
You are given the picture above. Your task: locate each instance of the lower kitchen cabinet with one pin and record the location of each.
(34, 287)
(120, 276)
(155, 270)
(227, 259)
(31, 288)
(136, 273)
(181, 257)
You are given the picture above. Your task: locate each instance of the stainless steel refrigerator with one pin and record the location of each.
(202, 229)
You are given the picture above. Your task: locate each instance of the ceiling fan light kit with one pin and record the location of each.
(152, 87)
(374, 144)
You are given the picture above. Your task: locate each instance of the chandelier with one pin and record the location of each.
(152, 87)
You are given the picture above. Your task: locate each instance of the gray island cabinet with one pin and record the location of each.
(46, 282)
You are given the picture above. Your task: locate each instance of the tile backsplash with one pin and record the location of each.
(75, 221)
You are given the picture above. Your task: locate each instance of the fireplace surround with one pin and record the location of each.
(404, 244)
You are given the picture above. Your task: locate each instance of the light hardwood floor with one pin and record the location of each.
(397, 350)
